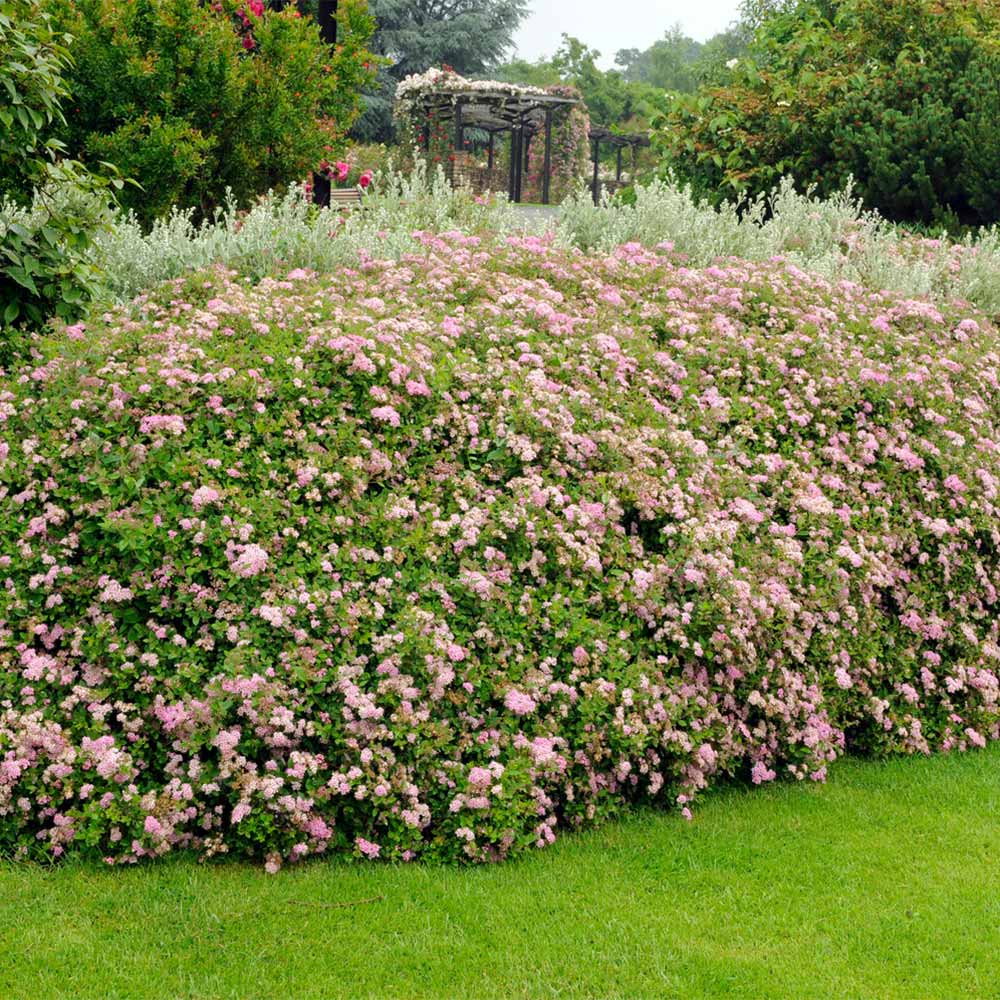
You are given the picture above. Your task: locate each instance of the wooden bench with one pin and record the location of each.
(344, 198)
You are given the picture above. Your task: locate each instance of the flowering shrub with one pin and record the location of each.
(437, 558)
(341, 174)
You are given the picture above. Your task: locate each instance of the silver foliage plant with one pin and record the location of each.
(834, 237)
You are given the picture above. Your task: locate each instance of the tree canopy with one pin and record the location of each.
(634, 90)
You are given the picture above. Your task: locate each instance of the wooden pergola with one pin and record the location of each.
(523, 115)
(619, 141)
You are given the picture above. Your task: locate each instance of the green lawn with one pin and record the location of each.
(883, 883)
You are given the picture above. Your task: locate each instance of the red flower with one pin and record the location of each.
(365, 179)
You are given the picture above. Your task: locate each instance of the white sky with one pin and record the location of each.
(610, 25)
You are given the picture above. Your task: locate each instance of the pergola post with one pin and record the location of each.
(326, 15)
(489, 155)
(327, 20)
(458, 142)
(526, 161)
(519, 167)
(547, 168)
(515, 159)
(618, 167)
(597, 161)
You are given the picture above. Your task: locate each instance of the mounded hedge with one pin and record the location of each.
(441, 557)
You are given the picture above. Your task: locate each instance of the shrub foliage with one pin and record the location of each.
(192, 99)
(49, 208)
(481, 546)
(899, 94)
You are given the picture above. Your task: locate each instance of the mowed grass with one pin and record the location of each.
(883, 883)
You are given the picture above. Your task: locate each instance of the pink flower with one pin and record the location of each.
(746, 511)
(387, 415)
(205, 495)
(975, 738)
(342, 169)
(251, 560)
(171, 423)
(113, 591)
(761, 773)
(519, 703)
(367, 848)
(480, 777)
(365, 179)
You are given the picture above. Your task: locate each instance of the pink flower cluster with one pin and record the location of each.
(341, 170)
(442, 557)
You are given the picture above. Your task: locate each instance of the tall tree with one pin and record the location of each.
(471, 36)
(609, 98)
(668, 63)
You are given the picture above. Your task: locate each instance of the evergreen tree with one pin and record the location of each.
(471, 36)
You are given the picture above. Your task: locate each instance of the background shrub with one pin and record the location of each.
(49, 209)
(898, 94)
(835, 237)
(33, 60)
(194, 99)
(288, 231)
(47, 266)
